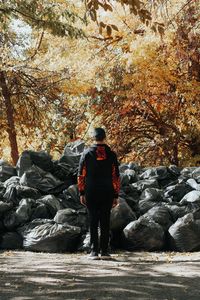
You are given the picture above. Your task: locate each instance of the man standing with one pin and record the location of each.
(99, 184)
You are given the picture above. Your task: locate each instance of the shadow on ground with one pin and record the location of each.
(28, 275)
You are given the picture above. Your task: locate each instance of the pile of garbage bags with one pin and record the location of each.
(40, 210)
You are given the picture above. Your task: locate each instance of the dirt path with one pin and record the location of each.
(139, 275)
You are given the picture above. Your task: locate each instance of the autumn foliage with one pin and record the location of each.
(131, 66)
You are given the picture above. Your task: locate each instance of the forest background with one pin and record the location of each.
(132, 66)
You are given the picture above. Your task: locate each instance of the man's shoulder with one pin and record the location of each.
(88, 150)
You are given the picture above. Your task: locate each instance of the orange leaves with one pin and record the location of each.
(126, 108)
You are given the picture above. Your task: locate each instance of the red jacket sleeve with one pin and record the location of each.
(81, 175)
(115, 177)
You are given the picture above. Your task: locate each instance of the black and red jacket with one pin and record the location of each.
(99, 171)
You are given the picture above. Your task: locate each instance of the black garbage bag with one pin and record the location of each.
(145, 205)
(141, 185)
(2, 227)
(134, 166)
(12, 181)
(43, 181)
(144, 234)
(152, 194)
(4, 207)
(132, 197)
(62, 170)
(28, 158)
(72, 153)
(160, 214)
(177, 191)
(176, 211)
(160, 172)
(10, 193)
(24, 210)
(191, 200)
(11, 241)
(124, 180)
(52, 203)
(85, 243)
(196, 174)
(191, 197)
(163, 175)
(123, 168)
(27, 192)
(193, 184)
(132, 176)
(2, 190)
(174, 170)
(42, 159)
(24, 163)
(73, 217)
(41, 211)
(70, 198)
(185, 234)
(49, 236)
(11, 220)
(6, 170)
(121, 216)
(187, 172)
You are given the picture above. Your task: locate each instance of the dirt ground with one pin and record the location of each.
(136, 275)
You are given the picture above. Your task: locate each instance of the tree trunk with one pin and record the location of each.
(10, 118)
(175, 159)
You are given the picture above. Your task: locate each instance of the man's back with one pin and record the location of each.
(99, 167)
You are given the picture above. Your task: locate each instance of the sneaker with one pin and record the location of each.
(105, 255)
(93, 255)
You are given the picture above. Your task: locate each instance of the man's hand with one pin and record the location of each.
(115, 202)
(83, 200)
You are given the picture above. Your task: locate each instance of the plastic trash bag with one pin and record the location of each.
(10, 193)
(40, 211)
(72, 153)
(196, 174)
(191, 197)
(48, 236)
(121, 215)
(144, 234)
(160, 172)
(141, 185)
(70, 198)
(160, 214)
(145, 205)
(11, 220)
(41, 180)
(62, 170)
(73, 217)
(39, 158)
(27, 192)
(6, 170)
(24, 210)
(52, 203)
(176, 211)
(193, 184)
(85, 243)
(152, 194)
(11, 241)
(177, 191)
(185, 233)
(4, 207)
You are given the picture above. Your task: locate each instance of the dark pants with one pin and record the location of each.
(99, 206)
